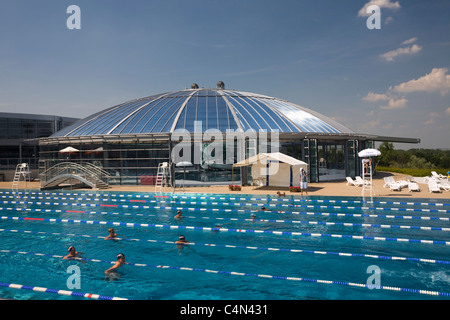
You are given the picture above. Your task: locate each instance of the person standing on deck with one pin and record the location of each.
(303, 181)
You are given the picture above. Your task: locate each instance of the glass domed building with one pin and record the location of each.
(130, 139)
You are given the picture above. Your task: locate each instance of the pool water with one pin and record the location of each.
(303, 248)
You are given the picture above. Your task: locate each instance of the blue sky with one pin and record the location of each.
(319, 54)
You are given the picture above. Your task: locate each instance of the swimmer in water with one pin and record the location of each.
(120, 262)
(264, 209)
(73, 254)
(181, 242)
(112, 234)
(179, 215)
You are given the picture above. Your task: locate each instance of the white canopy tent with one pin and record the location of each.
(274, 169)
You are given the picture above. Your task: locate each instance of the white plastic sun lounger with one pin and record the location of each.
(437, 176)
(353, 182)
(444, 186)
(402, 183)
(395, 186)
(412, 186)
(433, 186)
(361, 181)
(390, 182)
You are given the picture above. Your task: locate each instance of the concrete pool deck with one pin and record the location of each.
(334, 188)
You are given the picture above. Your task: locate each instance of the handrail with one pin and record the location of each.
(85, 170)
(81, 164)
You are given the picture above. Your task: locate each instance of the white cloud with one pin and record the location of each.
(410, 41)
(372, 97)
(432, 116)
(388, 20)
(391, 55)
(371, 113)
(395, 104)
(381, 3)
(436, 80)
(371, 124)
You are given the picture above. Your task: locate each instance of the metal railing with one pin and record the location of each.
(85, 172)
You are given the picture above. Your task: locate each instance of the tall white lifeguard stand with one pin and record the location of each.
(162, 176)
(22, 170)
(366, 169)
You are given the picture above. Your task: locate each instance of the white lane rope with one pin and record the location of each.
(264, 276)
(320, 252)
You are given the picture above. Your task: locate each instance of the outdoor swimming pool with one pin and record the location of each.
(304, 248)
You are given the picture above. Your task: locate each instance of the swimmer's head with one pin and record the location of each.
(110, 230)
(71, 248)
(120, 256)
(182, 238)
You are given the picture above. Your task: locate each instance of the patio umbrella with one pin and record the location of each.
(184, 164)
(95, 151)
(68, 150)
(369, 153)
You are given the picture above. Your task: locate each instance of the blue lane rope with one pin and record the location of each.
(314, 200)
(264, 276)
(311, 222)
(60, 292)
(357, 215)
(288, 233)
(339, 254)
(238, 204)
(225, 210)
(202, 196)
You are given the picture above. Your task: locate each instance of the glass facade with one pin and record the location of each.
(17, 129)
(135, 136)
(216, 109)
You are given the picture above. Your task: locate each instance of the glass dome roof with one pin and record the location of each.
(216, 109)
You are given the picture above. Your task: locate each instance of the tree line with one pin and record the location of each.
(413, 158)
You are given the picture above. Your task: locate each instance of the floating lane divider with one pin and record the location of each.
(215, 209)
(339, 254)
(196, 196)
(235, 204)
(358, 215)
(60, 292)
(312, 200)
(264, 276)
(328, 223)
(288, 233)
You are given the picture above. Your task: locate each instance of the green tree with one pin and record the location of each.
(387, 151)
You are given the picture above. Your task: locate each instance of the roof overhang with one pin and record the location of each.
(344, 136)
(282, 136)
